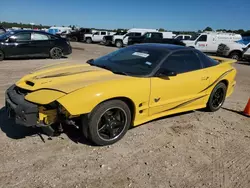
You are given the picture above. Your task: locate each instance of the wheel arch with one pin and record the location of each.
(226, 82)
(236, 51)
(127, 100)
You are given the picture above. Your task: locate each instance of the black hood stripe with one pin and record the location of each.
(62, 74)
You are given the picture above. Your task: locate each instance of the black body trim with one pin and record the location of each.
(220, 77)
(23, 112)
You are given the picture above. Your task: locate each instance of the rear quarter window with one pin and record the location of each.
(205, 60)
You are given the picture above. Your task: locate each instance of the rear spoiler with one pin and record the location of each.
(223, 60)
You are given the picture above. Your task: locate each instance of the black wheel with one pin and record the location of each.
(56, 53)
(217, 97)
(118, 43)
(235, 55)
(89, 40)
(108, 122)
(1, 56)
(73, 39)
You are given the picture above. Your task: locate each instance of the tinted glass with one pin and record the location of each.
(179, 37)
(38, 36)
(182, 61)
(203, 38)
(133, 60)
(22, 37)
(205, 60)
(156, 35)
(103, 33)
(137, 34)
(187, 37)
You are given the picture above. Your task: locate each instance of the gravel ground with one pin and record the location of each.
(193, 149)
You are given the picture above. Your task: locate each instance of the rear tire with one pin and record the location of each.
(56, 53)
(118, 43)
(217, 97)
(74, 39)
(107, 123)
(235, 55)
(1, 55)
(89, 40)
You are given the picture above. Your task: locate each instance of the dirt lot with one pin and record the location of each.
(194, 149)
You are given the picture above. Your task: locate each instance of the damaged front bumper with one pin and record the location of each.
(26, 113)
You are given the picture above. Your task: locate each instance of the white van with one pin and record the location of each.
(121, 40)
(209, 41)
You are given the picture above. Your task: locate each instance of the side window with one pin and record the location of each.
(187, 37)
(129, 35)
(203, 38)
(38, 36)
(179, 37)
(137, 34)
(103, 33)
(22, 37)
(182, 61)
(156, 35)
(148, 35)
(96, 33)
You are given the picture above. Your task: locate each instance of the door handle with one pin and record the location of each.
(205, 78)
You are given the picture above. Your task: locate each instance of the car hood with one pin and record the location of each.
(235, 45)
(66, 77)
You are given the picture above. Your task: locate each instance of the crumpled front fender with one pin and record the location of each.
(44, 96)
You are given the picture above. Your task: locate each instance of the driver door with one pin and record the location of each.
(96, 36)
(180, 92)
(201, 43)
(18, 45)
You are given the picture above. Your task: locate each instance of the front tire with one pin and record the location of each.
(108, 122)
(217, 97)
(118, 43)
(1, 55)
(235, 55)
(74, 39)
(56, 53)
(89, 40)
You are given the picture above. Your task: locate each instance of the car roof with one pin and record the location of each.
(167, 47)
(33, 31)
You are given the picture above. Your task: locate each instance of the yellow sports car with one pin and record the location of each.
(125, 88)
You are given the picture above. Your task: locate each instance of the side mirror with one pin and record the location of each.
(11, 39)
(165, 72)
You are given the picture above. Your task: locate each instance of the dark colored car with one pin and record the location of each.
(107, 40)
(2, 30)
(153, 37)
(29, 43)
(78, 35)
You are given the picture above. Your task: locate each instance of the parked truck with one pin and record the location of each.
(107, 39)
(122, 40)
(235, 50)
(153, 37)
(96, 37)
(78, 35)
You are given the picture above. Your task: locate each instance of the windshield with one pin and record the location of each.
(132, 61)
(244, 40)
(194, 37)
